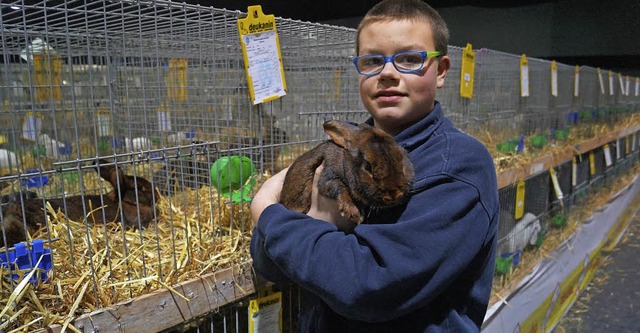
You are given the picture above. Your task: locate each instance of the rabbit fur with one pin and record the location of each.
(132, 198)
(364, 168)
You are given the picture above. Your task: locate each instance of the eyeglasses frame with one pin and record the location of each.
(425, 55)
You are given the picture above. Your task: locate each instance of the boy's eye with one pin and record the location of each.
(371, 62)
(408, 60)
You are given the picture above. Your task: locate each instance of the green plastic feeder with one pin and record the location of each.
(503, 264)
(39, 149)
(559, 221)
(542, 235)
(234, 177)
(70, 177)
(538, 141)
(104, 145)
(561, 134)
(507, 146)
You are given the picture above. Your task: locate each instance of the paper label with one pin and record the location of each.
(610, 83)
(265, 314)
(467, 72)
(556, 183)
(262, 57)
(524, 76)
(601, 81)
(554, 78)
(607, 155)
(576, 83)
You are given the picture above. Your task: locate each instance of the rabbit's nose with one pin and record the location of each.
(390, 197)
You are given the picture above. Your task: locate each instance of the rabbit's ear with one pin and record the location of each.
(113, 175)
(342, 133)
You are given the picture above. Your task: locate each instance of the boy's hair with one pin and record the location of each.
(415, 10)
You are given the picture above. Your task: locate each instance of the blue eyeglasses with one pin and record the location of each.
(404, 62)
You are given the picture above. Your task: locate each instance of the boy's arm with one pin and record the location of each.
(382, 271)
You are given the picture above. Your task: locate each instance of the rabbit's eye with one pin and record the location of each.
(367, 166)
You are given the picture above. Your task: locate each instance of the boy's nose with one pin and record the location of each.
(389, 70)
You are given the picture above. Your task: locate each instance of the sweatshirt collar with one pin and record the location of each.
(417, 133)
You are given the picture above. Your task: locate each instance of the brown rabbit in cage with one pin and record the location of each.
(131, 202)
(364, 168)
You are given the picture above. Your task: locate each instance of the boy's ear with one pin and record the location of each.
(443, 69)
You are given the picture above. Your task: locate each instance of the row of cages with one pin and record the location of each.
(81, 80)
(547, 198)
(546, 203)
(130, 147)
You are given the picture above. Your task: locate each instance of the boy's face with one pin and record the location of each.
(397, 100)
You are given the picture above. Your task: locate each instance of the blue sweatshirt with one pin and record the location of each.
(425, 266)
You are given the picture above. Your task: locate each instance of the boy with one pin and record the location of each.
(426, 266)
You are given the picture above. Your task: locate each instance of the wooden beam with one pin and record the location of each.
(163, 309)
(522, 171)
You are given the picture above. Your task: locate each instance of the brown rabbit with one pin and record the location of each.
(136, 199)
(364, 168)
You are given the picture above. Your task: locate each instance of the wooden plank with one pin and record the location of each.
(164, 309)
(509, 176)
(522, 171)
(594, 143)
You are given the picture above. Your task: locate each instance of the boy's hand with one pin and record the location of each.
(326, 209)
(322, 208)
(268, 194)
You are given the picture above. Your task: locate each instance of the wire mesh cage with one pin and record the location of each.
(120, 101)
(133, 120)
(495, 107)
(597, 167)
(537, 193)
(507, 197)
(581, 175)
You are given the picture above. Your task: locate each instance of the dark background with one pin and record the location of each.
(575, 32)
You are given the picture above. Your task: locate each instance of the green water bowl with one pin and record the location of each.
(70, 177)
(561, 134)
(506, 147)
(538, 141)
(503, 265)
(39, 150)
(542, 235)
(559, 221)
(234, 177)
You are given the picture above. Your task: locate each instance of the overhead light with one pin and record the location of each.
(14, 7)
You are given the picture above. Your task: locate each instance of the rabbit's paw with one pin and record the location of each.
(351, 213)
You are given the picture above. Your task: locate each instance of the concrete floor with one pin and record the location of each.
(611, 302)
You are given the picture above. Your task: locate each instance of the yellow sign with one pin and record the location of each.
(556, 185)
(524, 76)
(554, 79)
(265, 314)
(467, 72)
(48, 69)
(576, 82)
(519, 200)
(262, 57)
(176, 80)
